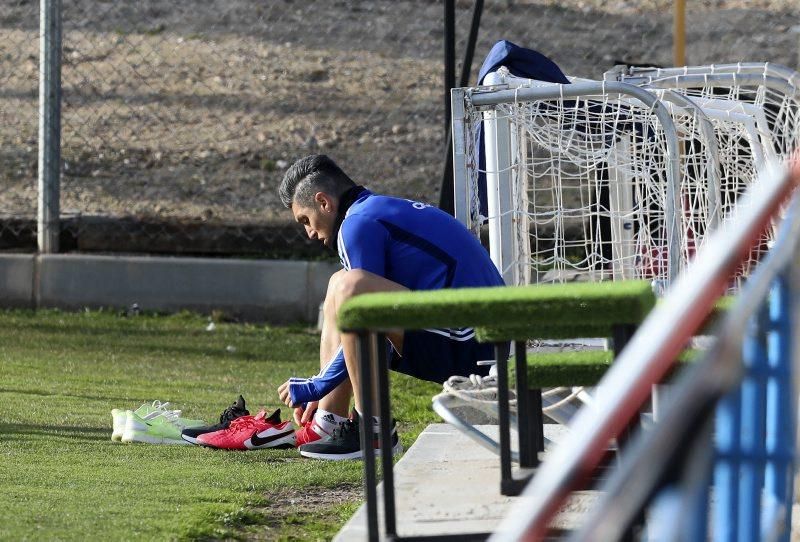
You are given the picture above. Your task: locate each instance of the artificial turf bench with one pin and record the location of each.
(500, 315)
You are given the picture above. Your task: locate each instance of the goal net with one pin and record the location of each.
(589, 181)
(755, 109)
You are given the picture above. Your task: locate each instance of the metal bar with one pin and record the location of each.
(446, 199)
(385, 414)
(699, 387)
(449, 57)
(48, 227)
(462, 184)
(726, 468)
(767, 68)
(620, 335)
(712, 160)
(445, 194)
(725, 79)
(504, 427)
(679, 33)
(649, 355)
(697, 506)
(780, 426)
(365, 349)
(751, 429)
(441, 405)
(529, 420)
(497, 130)
(472, 39)
(573, 90)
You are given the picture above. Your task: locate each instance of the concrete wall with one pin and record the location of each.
(276, 291)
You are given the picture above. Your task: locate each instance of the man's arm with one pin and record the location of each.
(362, 245)
(304, 390)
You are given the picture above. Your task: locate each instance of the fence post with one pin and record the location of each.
(780, 405)
(752, 426)
(48, 226)
(726, 468)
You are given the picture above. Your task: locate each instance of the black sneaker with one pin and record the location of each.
(236, 410)
(345, 442)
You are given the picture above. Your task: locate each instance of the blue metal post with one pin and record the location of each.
(726, 467)
(752, 428)
(780, 406)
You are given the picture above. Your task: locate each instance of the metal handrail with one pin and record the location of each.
(648, 356)
(696, 390)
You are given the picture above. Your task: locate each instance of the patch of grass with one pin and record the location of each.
(154, 30)
(267, 164)
(62, 477)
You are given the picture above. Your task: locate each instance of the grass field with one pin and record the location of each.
(63, 478)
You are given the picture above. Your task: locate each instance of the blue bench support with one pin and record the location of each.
(755, 430)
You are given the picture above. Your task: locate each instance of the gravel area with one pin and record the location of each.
(194, 110)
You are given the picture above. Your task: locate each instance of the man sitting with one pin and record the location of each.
(385, 244)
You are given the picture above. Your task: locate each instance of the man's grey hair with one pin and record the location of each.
(312, 174)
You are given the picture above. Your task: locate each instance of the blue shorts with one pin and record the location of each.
(436, 355)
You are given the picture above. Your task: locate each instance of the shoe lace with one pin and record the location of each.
(158, 405)
(344, 428)
(230, 414)
(160, 410)
(243, 421)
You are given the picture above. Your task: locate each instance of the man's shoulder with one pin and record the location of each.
(377, 205)
(371, 207)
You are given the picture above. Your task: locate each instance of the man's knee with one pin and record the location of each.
(334, 280)
(352, 283)
(329, 304)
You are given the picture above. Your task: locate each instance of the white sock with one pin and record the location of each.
(328, 421)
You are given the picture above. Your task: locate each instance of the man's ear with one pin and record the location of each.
(325, 202)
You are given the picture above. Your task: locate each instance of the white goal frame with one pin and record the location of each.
(505, 154)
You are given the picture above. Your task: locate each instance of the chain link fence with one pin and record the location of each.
(19, 89)
(179, 118)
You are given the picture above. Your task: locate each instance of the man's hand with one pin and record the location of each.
(303, 415)
(283, 393)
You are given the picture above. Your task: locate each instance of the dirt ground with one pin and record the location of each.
(293, 507)
(194, 110)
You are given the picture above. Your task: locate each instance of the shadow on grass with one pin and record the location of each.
(61, 431)
(246, 348)
(40, 393)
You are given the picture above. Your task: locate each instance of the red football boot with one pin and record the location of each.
(310, 432)
(252, 433)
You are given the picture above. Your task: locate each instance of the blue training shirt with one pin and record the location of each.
(408, 242)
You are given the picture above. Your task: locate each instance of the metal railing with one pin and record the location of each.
(647, 358)
(748, 375)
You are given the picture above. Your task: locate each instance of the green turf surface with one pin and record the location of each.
(569, 307)
(63, 478)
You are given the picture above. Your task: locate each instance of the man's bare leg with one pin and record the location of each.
(350, 284)
(338, 400)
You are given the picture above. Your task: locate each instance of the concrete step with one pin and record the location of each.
(448, 484)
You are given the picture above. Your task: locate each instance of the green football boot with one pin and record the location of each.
(157, 427)
(119, 416)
